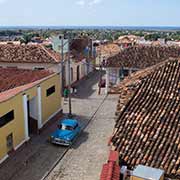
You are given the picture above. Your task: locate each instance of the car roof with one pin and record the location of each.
(69, 122)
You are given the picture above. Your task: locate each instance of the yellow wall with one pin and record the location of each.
(162, 177)
(135, 178)
(16, 126)
(50, 105)
(138, 178)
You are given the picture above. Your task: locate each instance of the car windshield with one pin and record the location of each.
(64, 127)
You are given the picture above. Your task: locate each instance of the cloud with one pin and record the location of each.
(79, 2)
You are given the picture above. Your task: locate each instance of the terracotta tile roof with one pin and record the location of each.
(129, 85)
(27, 54)
(12, 77)
(108, 50)
(142, 56)
(12, 92)
(147, 130)
(130, 36)
(111, 170)
(127, 39)
(124, 40)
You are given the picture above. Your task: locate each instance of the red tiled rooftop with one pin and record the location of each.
(147, 129)
(142, 56)
(12, 77)
(111, 170)
(27, 54)
(108, 50)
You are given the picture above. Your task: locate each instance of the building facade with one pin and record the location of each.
(24, 110)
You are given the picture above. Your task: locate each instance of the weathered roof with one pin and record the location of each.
(12, 53)
(12, 77)
(147, 129)
(130, 36)
(126, 39)
(142, 56)
(111, 170)
(107, 50)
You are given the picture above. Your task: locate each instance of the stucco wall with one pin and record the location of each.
(16, 126)
(50, 105)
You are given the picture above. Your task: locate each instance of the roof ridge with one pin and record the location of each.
(51, 55)
(30, 53)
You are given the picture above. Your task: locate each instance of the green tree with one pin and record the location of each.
(26, 38)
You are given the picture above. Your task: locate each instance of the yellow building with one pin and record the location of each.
(147, 173)
(28, 100)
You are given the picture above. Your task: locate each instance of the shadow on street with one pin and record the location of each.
(85, 87)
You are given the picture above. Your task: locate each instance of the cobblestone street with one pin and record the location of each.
(84, 160)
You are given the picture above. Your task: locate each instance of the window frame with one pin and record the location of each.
(52, 90)
(6, 119)
(39, 68)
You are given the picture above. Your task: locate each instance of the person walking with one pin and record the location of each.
(66, 93)
(74, 90)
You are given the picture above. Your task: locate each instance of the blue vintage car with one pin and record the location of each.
(67, 131)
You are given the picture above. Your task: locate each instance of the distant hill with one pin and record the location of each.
(162, 28)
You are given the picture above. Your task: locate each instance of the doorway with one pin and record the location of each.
(63, 78)
(32, 116)
(71, 75)
(78, 73)
(9, 143)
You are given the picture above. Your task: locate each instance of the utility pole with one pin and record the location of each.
(100, 79)
(93, 51)
(69, 69)
(69, 77)
(62, 61)
(88, 58)
(100, 75)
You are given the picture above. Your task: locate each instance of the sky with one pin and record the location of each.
(90, 12)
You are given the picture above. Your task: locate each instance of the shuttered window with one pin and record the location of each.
(6, 118)
(50, 91)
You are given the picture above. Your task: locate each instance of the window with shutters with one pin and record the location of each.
(50, 91)
(5, 119)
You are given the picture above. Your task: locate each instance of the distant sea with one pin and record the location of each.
(149, 28)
